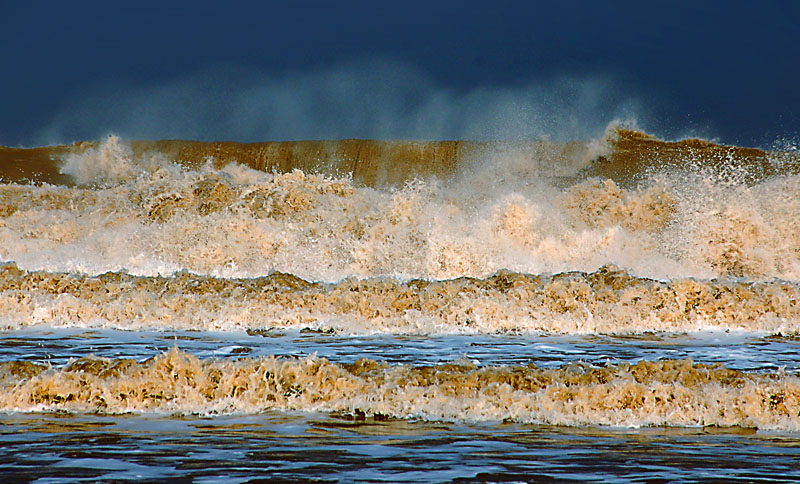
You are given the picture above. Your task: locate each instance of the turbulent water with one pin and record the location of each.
(493, 294)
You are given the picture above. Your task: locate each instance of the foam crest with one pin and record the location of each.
(671, 392)
(606, 301)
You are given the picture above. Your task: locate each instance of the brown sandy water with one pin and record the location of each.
(624, 308)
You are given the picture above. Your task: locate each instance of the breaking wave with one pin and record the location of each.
(451, 209)
(606, 301)
(624, 234)
(672, 392)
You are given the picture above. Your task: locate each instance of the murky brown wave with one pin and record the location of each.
(369, 162)
(623, 156)
(648, 393)
(635, 153)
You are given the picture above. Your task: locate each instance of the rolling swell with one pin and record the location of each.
(623, 155)
(670, 392)
(368, 162)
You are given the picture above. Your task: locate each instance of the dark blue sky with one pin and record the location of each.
(299, 69)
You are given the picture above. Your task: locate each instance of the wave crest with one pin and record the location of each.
(606, 301)
(671, 392)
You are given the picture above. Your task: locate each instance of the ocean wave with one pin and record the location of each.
(622, 155)
(648, 393)
(607, 301)
(626, 234)
(149, 215)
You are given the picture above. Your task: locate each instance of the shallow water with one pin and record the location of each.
(739, 351)
(304, 447)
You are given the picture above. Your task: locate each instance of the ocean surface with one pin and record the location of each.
(620, 309)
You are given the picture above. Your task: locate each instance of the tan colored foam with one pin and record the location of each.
(606, 301)
(676, 392)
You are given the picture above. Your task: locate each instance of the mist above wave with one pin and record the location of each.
(376, 99)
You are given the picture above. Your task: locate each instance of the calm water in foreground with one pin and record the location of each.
(292, 446)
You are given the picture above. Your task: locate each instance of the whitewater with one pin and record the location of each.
(622, 294)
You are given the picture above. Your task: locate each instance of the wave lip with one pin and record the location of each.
(622, 155)
(635, 153)
(671, 392)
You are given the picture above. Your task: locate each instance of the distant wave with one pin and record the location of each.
(622, 155)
